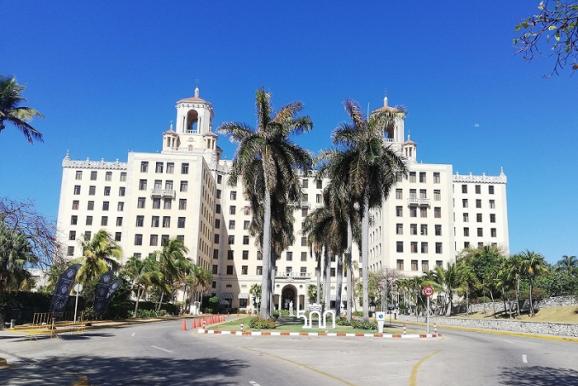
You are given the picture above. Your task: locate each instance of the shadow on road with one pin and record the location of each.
(124, 371)
(538, 376)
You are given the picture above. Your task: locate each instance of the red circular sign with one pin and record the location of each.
(427, 291)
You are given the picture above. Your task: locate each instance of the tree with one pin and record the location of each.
(468, 281)
(255, 292)
(11, 111)
(555, 26)
(142, 275)
(568, 263)
(369, 166)
(15, 254)
(447, 280)
(98, 256)
(533, 265)
(174, 265)
(199, 281)
(269, 144)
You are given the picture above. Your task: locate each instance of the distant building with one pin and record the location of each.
(183, 192)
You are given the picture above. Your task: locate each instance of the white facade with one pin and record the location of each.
(183, 192)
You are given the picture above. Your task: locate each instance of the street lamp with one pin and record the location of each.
(78, 290)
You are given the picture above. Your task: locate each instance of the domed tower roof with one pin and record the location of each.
(194, 99)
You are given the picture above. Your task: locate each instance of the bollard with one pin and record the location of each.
(184, 325)
(403, 330)
(435, 328)
(242, 328)
(204, 324)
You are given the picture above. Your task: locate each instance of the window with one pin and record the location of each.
(438, 230)
(332, 272)
(318, 199)
(259, 255)
(466, 232)
(184, 168)
(218, 193)
(413, 229)
(70, 251)
(424, 247)
(167, 203)
(478, 217)
(438, 248)
(215, 253)
(120, 206)
(230, 254)
(119, 221)
(399, 194)
(319, 184)
(229, 269)
(164, 240)
(303, 241)
(493, 232)
(182, 203)
(244, 270)
(93, 175)
(90, 205)
(91, 190)
(184, 186)
(399, 211)
(78, 175)
(259, 270)
(437, 212)
(492, 204)
(478, 204)
(246, 224)
(423, 229)
(139, 221)
(233, 195)
(232, 209)
(466, 217)
(425, 266)
(108, 176)
(217, 223)
(304, 197)
(437, 195)
(218, 208)
(219, 178)
(105, 205)
(142, 185)
(181, 238)
(478, 189)
(154, 240)
(399, 246)
(166, 221)
(144, 166)
(289, 256)
(464, 203)
(413, 247)
(414, 265)
(491, 189)
(413, 211)
(411, 176)
(480, 232)
(104, 221)
(231, 239)
(303, 256)
(231, 224)
(399, 229)
(72, 235)
(121, 191)
(117, 236)
(170, 167)
(75, 205)
(87, 235)
(466, 244)
(245, 255)
(492, 218)
(399, 264)
(159, 167)
(181, 222)
(422, 177)
(76, 189)
(436, 177)
(305, 183)
(439, 263)
(107, 190)
(138, 239)
(156, 203)
(122, 176)
(155, 221)
(304, 212)
(423, 212)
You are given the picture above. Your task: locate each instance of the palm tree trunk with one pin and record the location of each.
(531, 303)
(160, 301)
(327, 286)
(364, 256)
(338, 286)
(273, 274)
(265, 310)
(349, 271)
(318, 273)
(467, 302)
(138, 295)
(518, 296)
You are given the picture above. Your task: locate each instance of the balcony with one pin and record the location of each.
(414, 201)
(163, 193)
(294, 275)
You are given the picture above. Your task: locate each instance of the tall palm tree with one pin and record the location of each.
(369, 166)
(98, 256)
(15, 254)
(11, 111)
(533, 265)
(270, 142)
(448, 280)
(515, 271)
(568, 263)
(173, 264)
(143, 274)
(468, 281)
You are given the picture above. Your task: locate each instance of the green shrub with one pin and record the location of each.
(363, 325)
(358, 313)
(262, 324)
(343, 322)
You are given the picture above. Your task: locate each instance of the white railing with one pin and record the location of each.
(293, 275)
(418, 201)
(159, 192)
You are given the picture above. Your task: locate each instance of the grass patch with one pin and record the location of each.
(566, 314)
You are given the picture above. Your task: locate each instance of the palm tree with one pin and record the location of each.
(199, 280)
(269, 143)
(515, 268)
(15, 254)
(369, 166)
(173, 264)
(98, 256)
(11, 111)
(143, 274)
(533, 265)
(468, 281)
(568, 263)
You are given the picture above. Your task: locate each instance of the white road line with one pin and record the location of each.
(254, 383)
(133, 334)
(524, 358)
(162, 349)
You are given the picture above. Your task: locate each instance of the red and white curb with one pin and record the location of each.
(303, 333)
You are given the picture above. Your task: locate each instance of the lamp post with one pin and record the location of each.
(77, 290)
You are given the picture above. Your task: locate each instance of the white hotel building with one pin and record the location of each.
(183, 192)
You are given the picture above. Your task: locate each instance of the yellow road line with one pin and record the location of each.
(320, 372)
(414, 370)
(82, 381)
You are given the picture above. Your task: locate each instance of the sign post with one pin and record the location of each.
(427, 292)
(380, 317)
(78, 290)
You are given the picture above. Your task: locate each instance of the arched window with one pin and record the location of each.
(192, 122)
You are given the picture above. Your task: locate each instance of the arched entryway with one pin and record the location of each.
(288, 295)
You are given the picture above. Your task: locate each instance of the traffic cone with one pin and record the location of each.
(184, 325)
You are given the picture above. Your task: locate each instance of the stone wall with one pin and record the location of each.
(559, 329)
(555, 301)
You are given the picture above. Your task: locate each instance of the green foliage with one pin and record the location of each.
(23, 305)
(262, 324)
(312, 293)
(343, 322)
(363, 324)
(15, 254)
(11, 110)
(255, 292)
(99, 255)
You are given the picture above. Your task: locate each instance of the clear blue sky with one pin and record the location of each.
(106, 75)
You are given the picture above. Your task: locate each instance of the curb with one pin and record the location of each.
(331, 334)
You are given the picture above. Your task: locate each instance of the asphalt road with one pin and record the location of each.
(161, 354)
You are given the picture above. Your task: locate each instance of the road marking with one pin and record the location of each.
(133, 334)
(254, 383)
(524, 358)
(162, 349)
(414, 370)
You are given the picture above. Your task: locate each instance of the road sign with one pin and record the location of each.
(427, 291)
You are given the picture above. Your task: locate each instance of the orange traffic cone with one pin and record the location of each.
(184, 325)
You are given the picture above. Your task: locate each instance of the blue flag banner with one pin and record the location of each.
(105, 289)
(63, 288)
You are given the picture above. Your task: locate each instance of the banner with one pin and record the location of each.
(63, 288)
(105, 289)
